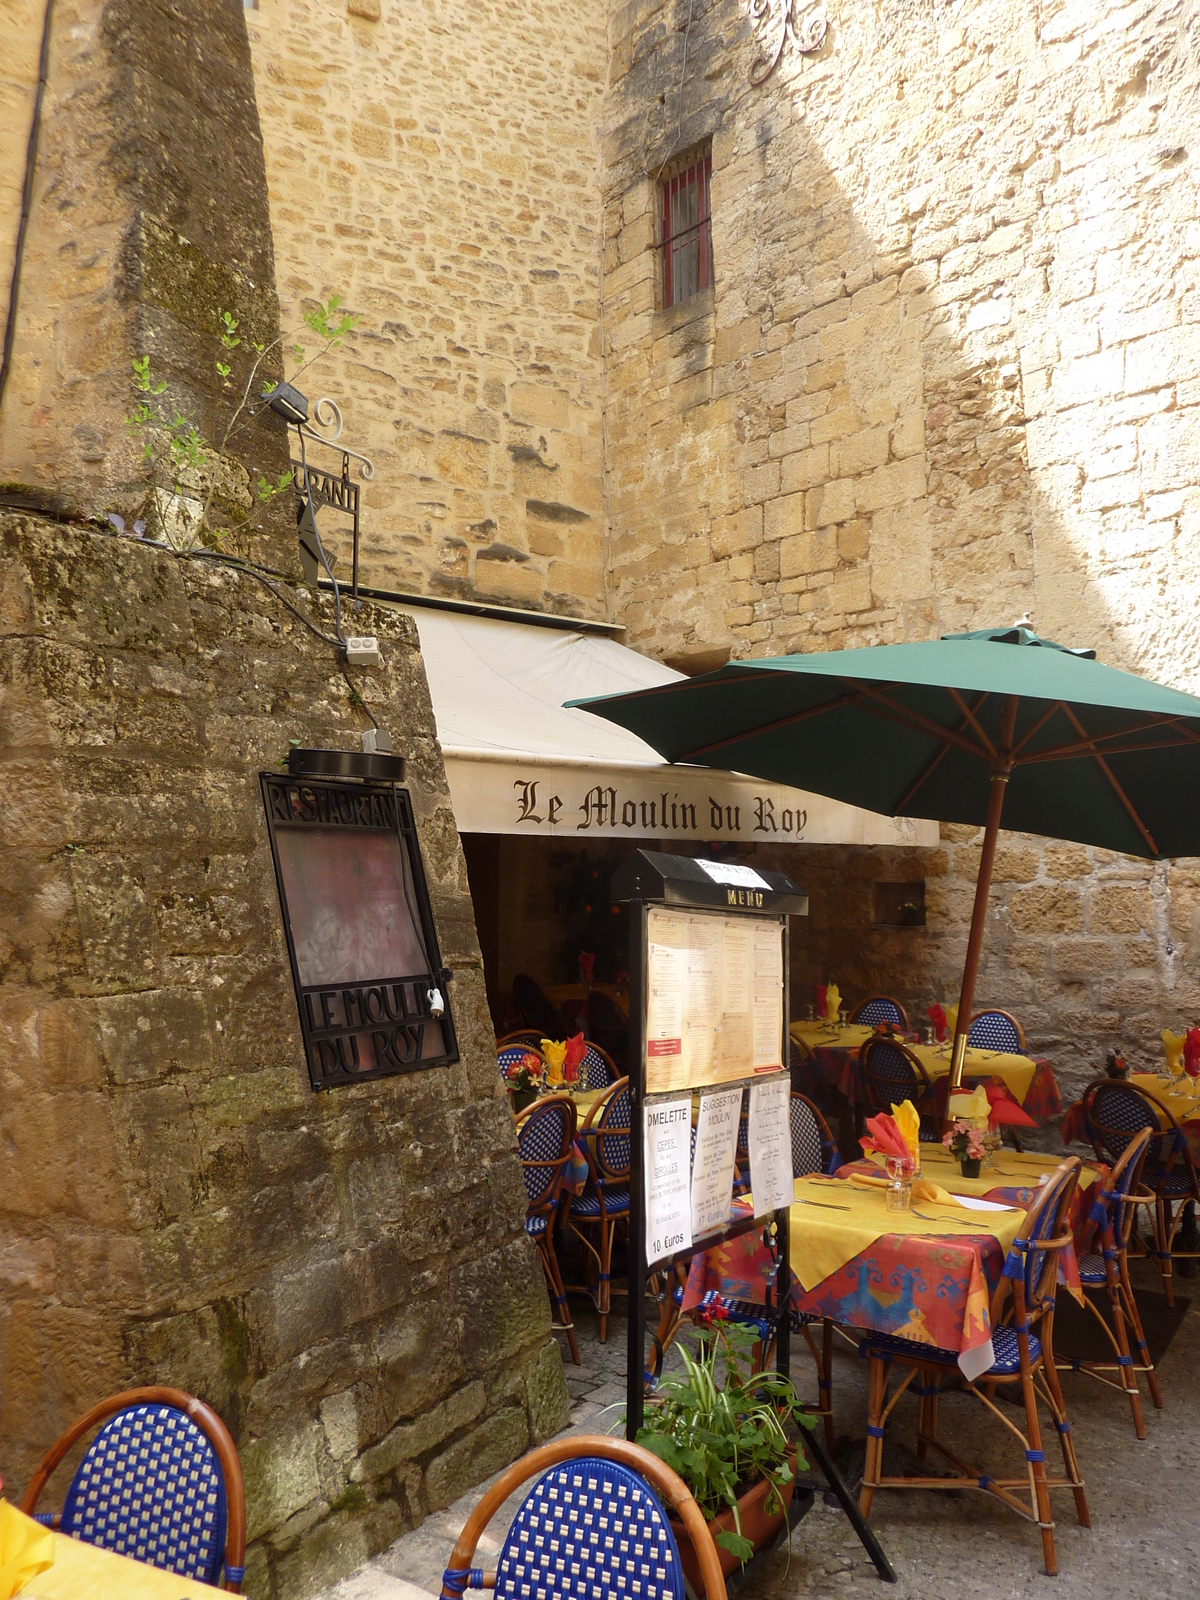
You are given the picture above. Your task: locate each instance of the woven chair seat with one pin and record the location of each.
(536, 1226)
(747, 1313)
(590, 1528)
(1091, 1269)
(616, 1202)
(1007, 1361)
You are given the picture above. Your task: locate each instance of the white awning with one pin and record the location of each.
(518, 762)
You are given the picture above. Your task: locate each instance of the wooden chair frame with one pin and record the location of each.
(668, 1485)
(1168, 1211)
(997, 1011)
(1038, 1380)
(600, 1174)
(524, 1036)
(547, 1207)
(1122, 1300)
(214, 1430)
(862, 1004)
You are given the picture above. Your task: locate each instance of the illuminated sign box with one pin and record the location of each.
(359, 929)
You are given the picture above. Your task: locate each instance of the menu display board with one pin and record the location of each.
(714, 998)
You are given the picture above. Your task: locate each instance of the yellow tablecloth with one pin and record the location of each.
(1012, 1169)
(834, 1220)
(1015, 1071)
(828, 1036)
(85, 1572)
(1183, 1107)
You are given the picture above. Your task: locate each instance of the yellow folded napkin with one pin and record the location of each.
(909, 1123)
(922, 1188)
(973, 1107)
(555, 1055)
(26, 1548)
(1173, 1043)
(833, 1001)
(951, 1019)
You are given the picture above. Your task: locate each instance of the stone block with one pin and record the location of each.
(1121, 908)
(806, 553)
(547, 1399)
(493, 1445)
(1046, 910)
(282, 1476)
(410, 1440)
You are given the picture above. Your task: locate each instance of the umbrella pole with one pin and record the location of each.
(983, 886)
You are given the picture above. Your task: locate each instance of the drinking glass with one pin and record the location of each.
(900, 1182)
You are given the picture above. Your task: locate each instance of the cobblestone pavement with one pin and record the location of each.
(1145, 1538)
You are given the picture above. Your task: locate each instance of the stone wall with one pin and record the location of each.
(344, 1276)
(438, 168)
(948, 374)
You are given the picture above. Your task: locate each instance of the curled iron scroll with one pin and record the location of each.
(328, 414)
(806, 31)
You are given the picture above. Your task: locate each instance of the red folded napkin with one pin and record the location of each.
(884, 1137)
(1191, 1052)
(821, 991)
(573, 1060)
(1005, 1111)
(937, 1016)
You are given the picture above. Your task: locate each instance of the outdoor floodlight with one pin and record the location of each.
(288, 403)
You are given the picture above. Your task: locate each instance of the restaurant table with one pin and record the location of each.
(1182, 1101)
(833, 1059)
(926, 1274)
(86, 1572)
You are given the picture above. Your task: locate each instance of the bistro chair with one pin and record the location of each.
(814, 1149)
(605, 1199)
(161, 1483)
(537, 1010)
(1114, 1111)
(608, 1027)
(1113, 1212)
(892, 1073)
(880, 1008)
(1021, 1357)
(996, 1030)
(506, 1054)
(594, 1524)
(598, 1069)
(545, 1139)
(530, 1036)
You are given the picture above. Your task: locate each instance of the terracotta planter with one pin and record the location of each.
(757, 1526)
(970, 1169)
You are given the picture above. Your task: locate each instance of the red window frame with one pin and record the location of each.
(687, 274)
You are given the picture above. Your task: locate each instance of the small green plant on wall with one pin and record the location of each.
(196, 494)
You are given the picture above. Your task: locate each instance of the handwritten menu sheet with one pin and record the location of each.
(667, 1145)
(712, 1166)
(770, 1138)
(714, 998)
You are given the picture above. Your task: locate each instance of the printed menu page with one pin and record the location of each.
(712, 1167)
(667, 1145)
(714, 1008)
(770, 1139)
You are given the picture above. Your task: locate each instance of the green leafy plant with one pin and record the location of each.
(723, 1437)
(191, 475)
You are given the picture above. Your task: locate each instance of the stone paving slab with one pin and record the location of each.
(1145, 1539)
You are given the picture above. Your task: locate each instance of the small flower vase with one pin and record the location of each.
(525, 1097)
(970, 1166)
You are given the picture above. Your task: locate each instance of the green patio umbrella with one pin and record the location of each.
(967, 728)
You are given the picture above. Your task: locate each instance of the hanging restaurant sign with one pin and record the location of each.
(370, 986)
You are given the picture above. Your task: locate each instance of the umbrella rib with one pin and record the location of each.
(969, 716)
(1086, 744)
(1037, 727)
(770, 727)
(1120, 793)
(1086, 748)
(914, 720)
(931, 766)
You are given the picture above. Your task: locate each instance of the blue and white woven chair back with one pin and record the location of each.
(808, 1153)
(151, 1487)
(992, 1030)
(590, 1529)
(880, 1009)
(509, 1053)
(612, 1152)
(1122, 1183)
(1119, 1115)
(1042, 1222)
(888, 1063)
(594, 1070)
(543, 1136)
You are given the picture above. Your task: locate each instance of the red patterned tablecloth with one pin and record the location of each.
(837, 1066)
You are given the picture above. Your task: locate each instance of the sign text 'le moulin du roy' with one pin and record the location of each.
(606, 809)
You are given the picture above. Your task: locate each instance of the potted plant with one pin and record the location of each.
(912, 914)
(525, 1075)
(965, 1143)
(733, 1443)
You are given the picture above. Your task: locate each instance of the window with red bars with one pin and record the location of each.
(687, 230)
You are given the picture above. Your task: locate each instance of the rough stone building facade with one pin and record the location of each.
(344, 1276)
